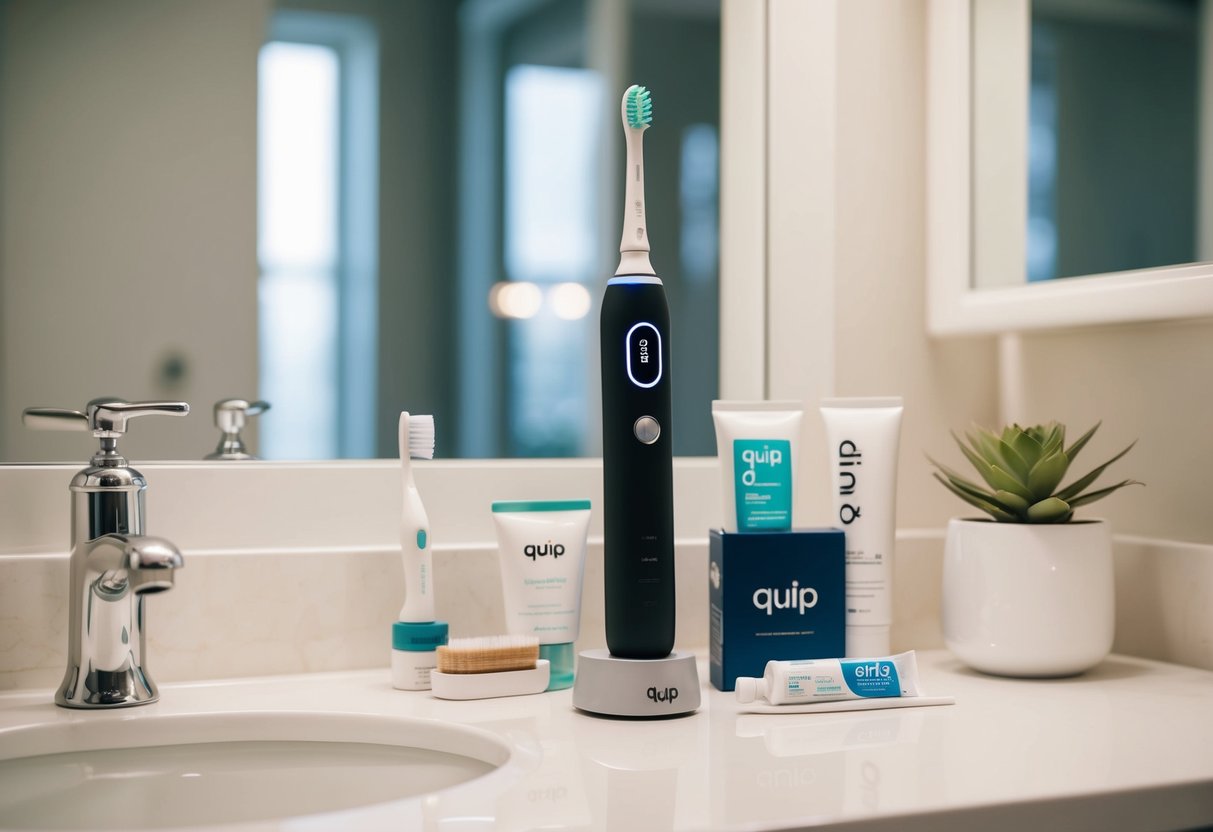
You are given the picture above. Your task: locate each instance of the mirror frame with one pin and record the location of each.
(954, 306)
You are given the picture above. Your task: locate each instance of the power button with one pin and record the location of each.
(647, 429)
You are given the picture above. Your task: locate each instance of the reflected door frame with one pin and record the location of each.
(954, 306)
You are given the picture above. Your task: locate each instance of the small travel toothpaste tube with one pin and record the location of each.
(863, 437)
(541, 545)
(831, 680)
(757, 443)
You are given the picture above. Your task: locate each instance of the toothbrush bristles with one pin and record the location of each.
(421, 437)
(639, 106)
(488, 654)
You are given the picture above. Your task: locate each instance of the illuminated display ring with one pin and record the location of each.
(628, 354)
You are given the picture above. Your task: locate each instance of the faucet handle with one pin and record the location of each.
(105, 417)
(53, 418)
(231, 415)
(108, 418)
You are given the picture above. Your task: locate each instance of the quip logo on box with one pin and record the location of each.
(774, 596)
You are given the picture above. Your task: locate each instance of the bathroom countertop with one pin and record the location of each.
(1128, 746)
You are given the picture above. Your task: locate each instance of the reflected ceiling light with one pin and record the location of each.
(515, 299)
(570, 301)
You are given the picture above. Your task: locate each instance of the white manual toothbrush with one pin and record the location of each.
(416, 440)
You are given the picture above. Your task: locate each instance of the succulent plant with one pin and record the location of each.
(1023, 468)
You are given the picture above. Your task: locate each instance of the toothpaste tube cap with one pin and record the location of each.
(747, 688)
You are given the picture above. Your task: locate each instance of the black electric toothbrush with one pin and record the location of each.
(637, 457)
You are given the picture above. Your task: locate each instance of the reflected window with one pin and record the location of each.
(1112, 140)
(552, 124)
(297, 249)
(317, 236)
(1042, 157)
(699, 192)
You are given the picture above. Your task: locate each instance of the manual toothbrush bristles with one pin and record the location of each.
(420, 440)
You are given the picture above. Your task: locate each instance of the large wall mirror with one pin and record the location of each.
(347, 208)
(1071, 162)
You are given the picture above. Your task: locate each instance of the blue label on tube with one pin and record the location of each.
(871, 678)
(763, 487)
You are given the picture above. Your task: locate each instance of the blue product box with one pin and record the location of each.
(774, 596)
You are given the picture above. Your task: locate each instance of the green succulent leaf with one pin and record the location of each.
(1015, 463)
(1073, 450)
(986, 506)
(1012, 502)
(1047, 474)
(1092, 496)
(1075, 488)
(1028, 447)
(984, 445)
(1049, 510)
(1001, 480)
(962, 482)
(976, 460)
(1055, 439)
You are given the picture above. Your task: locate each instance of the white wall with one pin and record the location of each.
(128, 159)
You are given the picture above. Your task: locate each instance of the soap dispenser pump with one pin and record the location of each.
(231, 415)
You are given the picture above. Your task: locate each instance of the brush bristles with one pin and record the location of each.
(638, 104)
(421, 437)
(488, 654)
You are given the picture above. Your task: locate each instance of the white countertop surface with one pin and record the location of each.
(1128, 746)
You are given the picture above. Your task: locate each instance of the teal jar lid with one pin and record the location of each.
(540, 505)
(562, 658)
(421, 637)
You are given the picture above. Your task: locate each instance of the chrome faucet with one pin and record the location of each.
(113, 563)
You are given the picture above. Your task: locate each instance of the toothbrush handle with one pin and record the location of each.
(418, 562)
(637, 462)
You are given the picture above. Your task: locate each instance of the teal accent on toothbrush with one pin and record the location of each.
(638, 107)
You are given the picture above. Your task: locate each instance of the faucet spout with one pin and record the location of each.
(110, 575)
(153, 563)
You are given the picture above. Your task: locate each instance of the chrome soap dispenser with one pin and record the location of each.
(113, 563)
(231, 415)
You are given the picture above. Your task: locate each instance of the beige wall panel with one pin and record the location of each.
(1150, 382)
(880, 290)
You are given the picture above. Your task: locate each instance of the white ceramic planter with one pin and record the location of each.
(1028, 600)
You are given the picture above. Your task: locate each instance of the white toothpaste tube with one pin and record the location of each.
(863, 436)
(832, 680)
(541, 544)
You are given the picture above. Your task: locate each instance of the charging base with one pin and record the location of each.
(654, 688)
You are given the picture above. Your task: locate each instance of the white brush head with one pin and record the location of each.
(416, 436)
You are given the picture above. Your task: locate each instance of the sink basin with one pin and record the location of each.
(154, 772)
